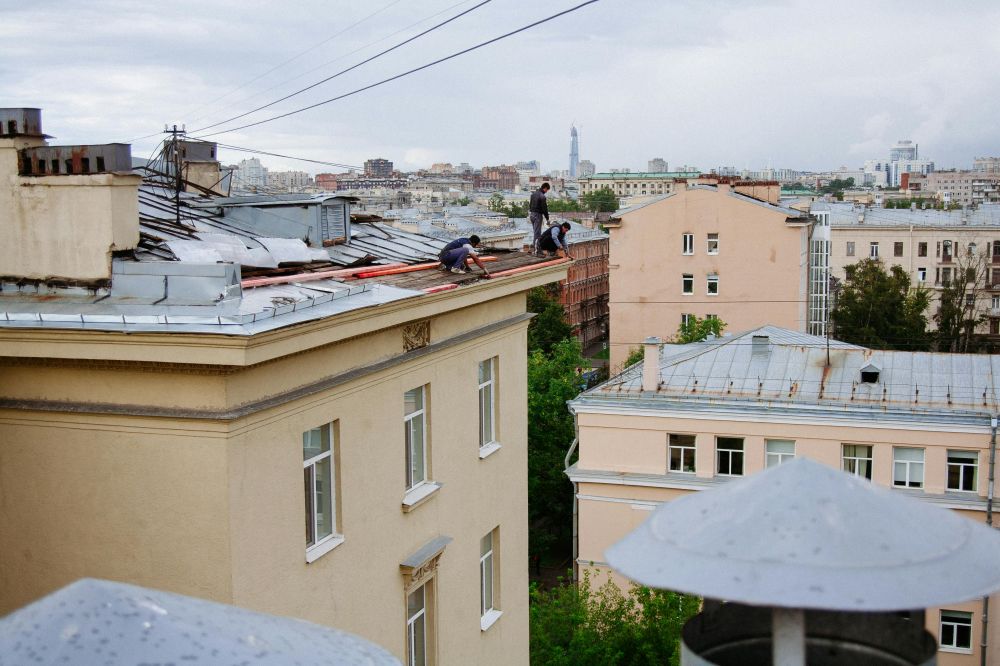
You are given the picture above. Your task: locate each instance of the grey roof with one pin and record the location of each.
(792, 374)
(648, 202)
(104, 622)
(846, 215)
(806, 535)
(658, 175)
(789, 212)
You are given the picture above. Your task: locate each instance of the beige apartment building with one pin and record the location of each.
(928, 244)
(712, 248)
(639, 184)
(192, 401)
(694, 417)
(967, 188)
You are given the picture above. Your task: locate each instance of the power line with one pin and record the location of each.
(411, 71)
(295, 57)
(338, 58)
(289, 157)
(352, 67)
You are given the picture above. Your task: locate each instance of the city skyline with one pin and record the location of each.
(666, 84)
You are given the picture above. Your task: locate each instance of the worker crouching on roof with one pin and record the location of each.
(454, 254)
(553, 241)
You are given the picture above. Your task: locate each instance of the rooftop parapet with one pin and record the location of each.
(75, 160)
(20, 122)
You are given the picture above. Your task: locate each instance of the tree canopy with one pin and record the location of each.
(880, 309)
(696, 329)
(580, 625)
(549, 325)
(498, 204)
(603, 200)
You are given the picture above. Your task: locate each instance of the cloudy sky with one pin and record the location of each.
(804, 85)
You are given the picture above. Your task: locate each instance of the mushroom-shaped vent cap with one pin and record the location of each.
(804, 535)
(99, 622)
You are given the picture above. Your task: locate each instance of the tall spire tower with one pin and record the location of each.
(574, 152)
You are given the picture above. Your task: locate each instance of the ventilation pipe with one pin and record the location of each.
(651, 364)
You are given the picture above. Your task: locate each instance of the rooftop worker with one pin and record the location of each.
(538, 207)
(454, 254)
(554, 240)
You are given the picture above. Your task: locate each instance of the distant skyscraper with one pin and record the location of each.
(904, 150)
(585, 169)
(574, 152)
(657, 165)
(378, 168)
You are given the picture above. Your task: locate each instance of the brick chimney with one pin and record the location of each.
(651, 364)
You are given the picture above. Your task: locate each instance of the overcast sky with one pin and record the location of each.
(803, 85)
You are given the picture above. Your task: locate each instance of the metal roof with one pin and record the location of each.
(806, 535)
(790, 370)
(104, 622)
(846, 215)
(660, 175)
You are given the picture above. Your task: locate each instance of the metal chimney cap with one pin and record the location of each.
(805, 535)
(91, 619)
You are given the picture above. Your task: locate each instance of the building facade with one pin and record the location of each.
(240, 415)
(585, 169)
(724, 250)
(987, 165)
(378, 168)
(626, 184)
(657, 165)
(250, 175)
(584, 293)
(966, 188)
(706, 413)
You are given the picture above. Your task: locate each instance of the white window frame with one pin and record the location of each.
(712, 243)
(322, 545)
(964, 469)
(729, 455)
(873, 250)
(411, 479)
(685, 278)
(921, 275)
(686, 317)
(710, 279)
(909, 467)
(687, 244)
(855, 459)
(950, 621)
(849, 249)
(488, 611)
(775, 458)
(684, 450)
(411, 630)
(487, 405)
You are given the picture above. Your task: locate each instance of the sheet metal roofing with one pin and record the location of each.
(847, 215)
(777, 368)
(656, 175)
(785, 210)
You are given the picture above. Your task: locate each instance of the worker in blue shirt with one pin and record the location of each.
(454, 254)
(553, 241)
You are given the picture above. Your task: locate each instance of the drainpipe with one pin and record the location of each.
(576, 516)
(989, 522)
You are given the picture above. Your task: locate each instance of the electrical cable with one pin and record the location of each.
(408, 72)
(345, 71)
(337, 59)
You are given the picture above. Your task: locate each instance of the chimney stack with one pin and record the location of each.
(651, 364)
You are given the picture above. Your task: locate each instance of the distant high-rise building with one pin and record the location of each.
(251, 175)
(574, 152)
(904, 150)
(657, 165)
(988, 165)
(585, 169)
(378, 168)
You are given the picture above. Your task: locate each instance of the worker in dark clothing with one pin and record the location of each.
(554, 240)
(538, 207)
(454, 254)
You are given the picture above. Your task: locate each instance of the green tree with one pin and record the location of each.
(552, 380)
(880, 309)
(497, 203)
(564, 206)
(962, 304)
(696, 329)
(549, 325)
(580, 625)
(603, 200)
(837, 186)
(462, 201)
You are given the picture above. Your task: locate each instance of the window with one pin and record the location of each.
(729, 455)
(873, 250)
(908, 467)
(712, 284)
(416, 437)
(970, 299)
(858, 460)
(946, 276)
(487, 402)
(713, 243)
(680, 453)
(687, 284)
(779, 451)
(921, 249)
(488, 587)
(687, 244)
(962, 470)
(416, 626)
(956, 630)
(921, 275)
(995, 302)
(897, 249)
(319, 481)
(686, 318)
(850, 248)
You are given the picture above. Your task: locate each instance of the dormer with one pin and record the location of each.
(870, 374)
